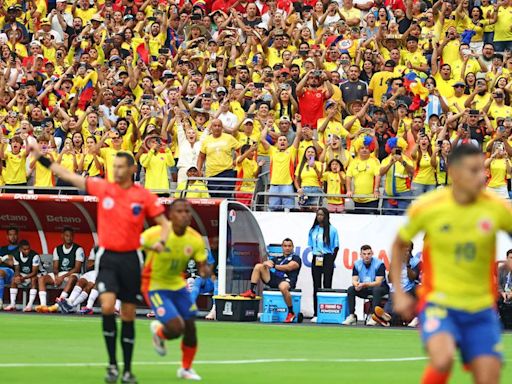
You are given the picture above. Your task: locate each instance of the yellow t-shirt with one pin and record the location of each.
(496, 111)
(108, 155)
(281, 165)
(219, 153)
(333, 128)
(398, 173)
(248, 169)
(164, 270)
(43, 176)
(15, 168)
(379, 85)
(458, 255)
(363, 173)
(335, 186)
(90, 165)
(308, 175)
(425, 173)
(445, 87)
(502, 30)
(156, 165)
(196, 190)
(498, 172)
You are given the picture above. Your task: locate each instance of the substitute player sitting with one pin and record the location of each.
(165, 289)
(457, 298)
(26, 267)
(67, 262)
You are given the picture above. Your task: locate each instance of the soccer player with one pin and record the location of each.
(67, 263)
(7, 253)
(26, 266)
(122, 209)
(165, 288)
(457, 298)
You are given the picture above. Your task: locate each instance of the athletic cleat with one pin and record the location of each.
(86, 311)
(289, 318)
(350, 320)
(313, 320)
(53, 308)
(150, 315)
(128, 378)
(212, 315)
(249, 294)
(42, 309)
(188, 374)
(158, 342)
(371, 322)
(64, 306)
(112, 374)
(10, 308)
(414, 323)
(379, 320)
(382, 314)
(28, 309)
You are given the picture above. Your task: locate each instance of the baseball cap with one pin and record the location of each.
(390, 63)
(248, 121)
(262, 26)
(114, 58)
(284, 118)
(459, 83)
(329, 103)
(45, 21)
(285, 70)
(221, 89)
(35, 42)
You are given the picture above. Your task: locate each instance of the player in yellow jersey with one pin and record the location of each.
(457, 297)
(165, 288)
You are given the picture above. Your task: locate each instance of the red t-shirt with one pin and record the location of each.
(311, 106)
(121, 213)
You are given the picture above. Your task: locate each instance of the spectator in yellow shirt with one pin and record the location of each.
(192, 189)
(424, 179)
(155, 162)
(363, 178)
(282, 162)
(15, 171)
(499, 169)
(247, 168)
(334, 184)
(216, 155)
(308, 178)
(43, 177)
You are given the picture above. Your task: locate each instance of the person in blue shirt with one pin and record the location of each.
(368, 278)
(409, 281)
(7, 260)
(323, 240)
(279, 272)
(200, 285)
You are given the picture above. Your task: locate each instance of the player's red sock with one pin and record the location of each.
(188, 355)
(432, 376)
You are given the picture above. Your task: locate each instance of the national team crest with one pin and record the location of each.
(485, 225)
(160, 311)
(432, 324)
(188, 251)
(108, 203)
(136, 209)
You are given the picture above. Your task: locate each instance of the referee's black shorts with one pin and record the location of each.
(120, 273)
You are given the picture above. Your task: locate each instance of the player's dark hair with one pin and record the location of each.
(366, 247)
(24, 243)
(129, 158)
(509, 252)
(287, 239)
(177, 201)
(462, 151)
(68, 229)
(12, 228)
(326, 224)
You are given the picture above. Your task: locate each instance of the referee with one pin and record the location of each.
(122, 208)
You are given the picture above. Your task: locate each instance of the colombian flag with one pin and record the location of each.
(143, 53)
(87, 90)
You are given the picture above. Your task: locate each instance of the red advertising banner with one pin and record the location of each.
(41, 218)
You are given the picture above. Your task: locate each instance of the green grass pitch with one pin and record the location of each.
(58, 349)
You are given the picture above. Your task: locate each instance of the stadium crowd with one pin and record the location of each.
(359, 98)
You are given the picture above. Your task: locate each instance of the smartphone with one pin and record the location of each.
(439, 143)
(258, 85)
(233, 83)
(195, 16)
(128, 112)
(164, 51)
(398, 152)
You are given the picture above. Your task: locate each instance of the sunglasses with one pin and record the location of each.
(459, 86)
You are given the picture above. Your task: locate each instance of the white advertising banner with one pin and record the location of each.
(354, 231)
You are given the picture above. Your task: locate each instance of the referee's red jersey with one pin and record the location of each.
(121, 213)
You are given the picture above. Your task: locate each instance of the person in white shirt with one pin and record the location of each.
(189, 147)
(60, 19)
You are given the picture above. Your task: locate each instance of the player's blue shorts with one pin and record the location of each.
(168, 304)
(476, 334)
(9, 274)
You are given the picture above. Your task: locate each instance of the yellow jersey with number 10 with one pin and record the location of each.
(459, 248)
(165, 270)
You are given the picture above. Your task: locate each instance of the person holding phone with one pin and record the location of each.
(424, 179)
(308, 178)
(499, 169)
(323, 239)
(440, 162)
(398, 169)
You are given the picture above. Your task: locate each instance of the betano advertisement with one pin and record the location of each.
(354, 231)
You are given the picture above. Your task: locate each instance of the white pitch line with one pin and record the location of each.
(220, 362)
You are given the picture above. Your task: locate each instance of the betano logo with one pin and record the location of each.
(7, 217)
(23, 196)
(63, 219)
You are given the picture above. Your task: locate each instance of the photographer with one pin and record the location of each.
(313, 90)
(500, 170)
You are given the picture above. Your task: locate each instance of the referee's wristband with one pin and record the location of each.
(45, 162)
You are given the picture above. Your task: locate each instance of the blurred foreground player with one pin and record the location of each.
(457, 298)
(122, 209)
(165, 288)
